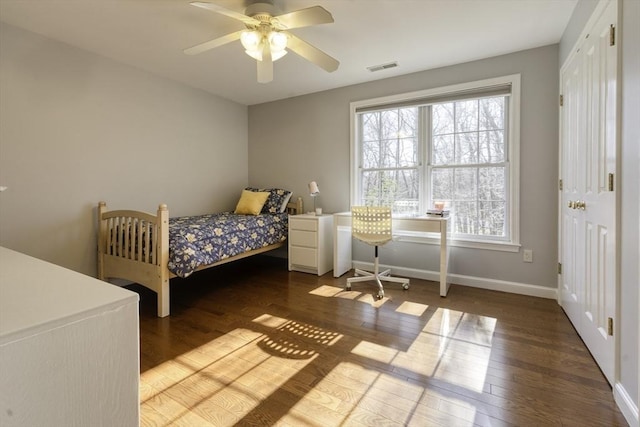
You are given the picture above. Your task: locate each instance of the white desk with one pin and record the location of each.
(342, 241)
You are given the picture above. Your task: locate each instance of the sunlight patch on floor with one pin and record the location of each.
(454, 347)
(368, 298)
(326, 291)
(373, 301)
(270, 321)
(412, 308)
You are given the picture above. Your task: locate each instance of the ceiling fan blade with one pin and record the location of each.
(227, 12)
(303, 18)
(213, 43)
(265, 67)
(312, 54)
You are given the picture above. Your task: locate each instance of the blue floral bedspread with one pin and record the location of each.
(206, 239)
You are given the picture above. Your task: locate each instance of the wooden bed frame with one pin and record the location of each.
(125, 258)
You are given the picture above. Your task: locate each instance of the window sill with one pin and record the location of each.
(433, 239)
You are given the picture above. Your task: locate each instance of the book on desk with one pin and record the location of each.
(438, 213)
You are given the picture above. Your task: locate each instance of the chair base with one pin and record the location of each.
(366, 276)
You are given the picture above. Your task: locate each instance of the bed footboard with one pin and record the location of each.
(134, 246)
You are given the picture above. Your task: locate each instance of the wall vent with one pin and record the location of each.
(382, 66)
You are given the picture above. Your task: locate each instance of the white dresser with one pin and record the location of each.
(69, 349)
(311, 243)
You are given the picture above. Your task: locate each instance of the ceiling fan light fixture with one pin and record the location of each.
(277, 55)
(278, 41)
(251, 40)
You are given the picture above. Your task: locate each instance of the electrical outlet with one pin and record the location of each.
(527, 255)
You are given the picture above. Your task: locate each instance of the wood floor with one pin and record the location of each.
(251, 344)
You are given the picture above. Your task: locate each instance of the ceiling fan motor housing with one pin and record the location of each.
(260, 8)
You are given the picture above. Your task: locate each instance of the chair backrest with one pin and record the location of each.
(371, 224)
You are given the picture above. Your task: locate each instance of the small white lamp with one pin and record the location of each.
(314, 191)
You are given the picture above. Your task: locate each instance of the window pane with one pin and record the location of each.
(399, 153)
(442, 185)
(370, 154)
(466, 115)
(370, 126)
(491, 184)
(492, 113)
(465, 184)
(466, 151)
(442, 118)
(397, 188)
(443, 150)
(389, 124)
(390, 138)
(408, 126)
(492, 146)
(491, 219)
(465, 219)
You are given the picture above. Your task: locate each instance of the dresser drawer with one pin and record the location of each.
(304, 257)
(308, 239)
(302, 224)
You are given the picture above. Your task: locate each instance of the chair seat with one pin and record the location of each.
(372, 239)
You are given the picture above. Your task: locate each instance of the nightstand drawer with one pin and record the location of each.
(308, 239)
(305, 257)
(302, 224)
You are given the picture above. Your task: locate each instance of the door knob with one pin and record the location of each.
(581, 205)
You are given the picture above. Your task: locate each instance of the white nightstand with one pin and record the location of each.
(311, 243)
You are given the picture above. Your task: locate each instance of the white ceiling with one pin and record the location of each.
(418, 34)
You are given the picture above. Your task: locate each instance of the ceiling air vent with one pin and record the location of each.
(382, 66)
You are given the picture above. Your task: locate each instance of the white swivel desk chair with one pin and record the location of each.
(372, 225)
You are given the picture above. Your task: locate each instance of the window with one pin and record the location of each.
(457, 145)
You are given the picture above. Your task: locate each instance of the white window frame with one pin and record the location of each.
(513, 160)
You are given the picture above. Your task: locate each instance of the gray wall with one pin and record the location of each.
(77, 128)
(296, 140)
(579, 18)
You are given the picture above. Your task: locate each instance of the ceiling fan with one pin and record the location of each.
(265, 38)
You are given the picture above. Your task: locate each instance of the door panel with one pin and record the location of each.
(588, 211)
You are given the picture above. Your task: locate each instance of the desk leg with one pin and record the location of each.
(444, 259)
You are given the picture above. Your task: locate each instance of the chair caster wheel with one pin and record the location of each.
(347, 288)
(380, 295)
(405, 286)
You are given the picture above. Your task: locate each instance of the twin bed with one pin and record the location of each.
(151, 249)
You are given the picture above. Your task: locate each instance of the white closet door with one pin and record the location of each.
(572, 162)
(588, 208)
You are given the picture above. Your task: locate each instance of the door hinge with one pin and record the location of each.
(610, 326)
(610, 182)
(612, 35)
(560, 184)
(559, 268)
(561, 100)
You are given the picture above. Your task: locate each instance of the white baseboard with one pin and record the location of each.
(627, 406)
(474, 282)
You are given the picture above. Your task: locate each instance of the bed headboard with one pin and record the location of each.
(295, 207)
